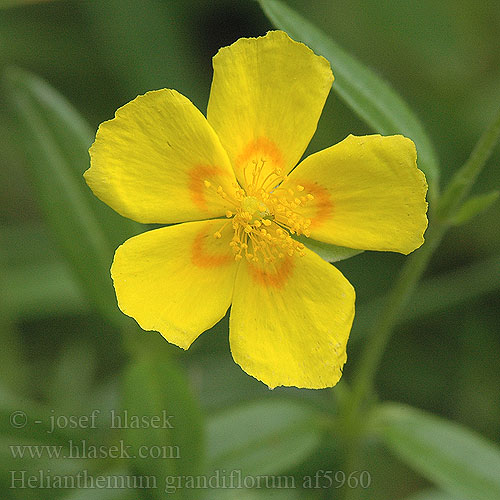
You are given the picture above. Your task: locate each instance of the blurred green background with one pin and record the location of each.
(58, 353)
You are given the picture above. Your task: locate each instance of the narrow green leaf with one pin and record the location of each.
(263, 437)
(56, 142)
(474, 206)
(39, 282)
(365, 92)
(330, 253)
(453, 457)
(73, 136)
(157, 393)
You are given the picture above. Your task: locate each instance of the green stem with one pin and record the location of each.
(396, 300)
(401, 292)
(464, 179)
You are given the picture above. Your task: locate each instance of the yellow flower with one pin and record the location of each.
(230, 179)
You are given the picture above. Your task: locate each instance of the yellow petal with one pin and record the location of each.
(266, 98)
(177, 280)
(150, 162)
(290, 322)
(368, 194)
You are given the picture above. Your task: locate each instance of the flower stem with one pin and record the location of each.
(400, 294)
(464, 179)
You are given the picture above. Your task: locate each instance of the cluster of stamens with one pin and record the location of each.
(264, 216)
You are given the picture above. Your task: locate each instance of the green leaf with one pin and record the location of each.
(451, 456)
(56, 144)
(365, 92)
(474, 206)
(39, 282)
(155, 390)
(330, 253)
(263, 437)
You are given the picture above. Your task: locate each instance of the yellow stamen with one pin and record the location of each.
(266, 216)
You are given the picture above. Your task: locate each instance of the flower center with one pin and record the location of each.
(265, 217)
(256, 210)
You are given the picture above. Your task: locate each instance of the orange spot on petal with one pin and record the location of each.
(202, 256)
(272, 275)
(260, 148)
(197, 189)
(321, 208)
